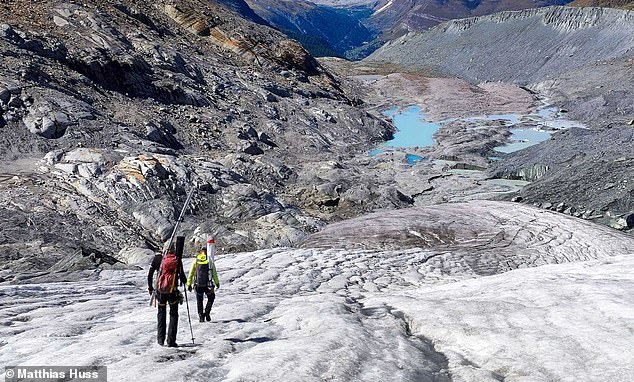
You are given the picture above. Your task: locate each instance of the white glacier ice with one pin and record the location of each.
(351, 314)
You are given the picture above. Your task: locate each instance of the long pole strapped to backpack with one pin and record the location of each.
(180, 218)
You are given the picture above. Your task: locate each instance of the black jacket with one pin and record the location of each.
(156, 267)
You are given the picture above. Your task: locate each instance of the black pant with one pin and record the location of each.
(200, 293)
(163, 300)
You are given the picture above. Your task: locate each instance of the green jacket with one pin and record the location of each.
(202, 259)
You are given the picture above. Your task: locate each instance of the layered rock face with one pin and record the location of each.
(110, 114)
(582, 59)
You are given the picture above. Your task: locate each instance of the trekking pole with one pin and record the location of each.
(188, 316)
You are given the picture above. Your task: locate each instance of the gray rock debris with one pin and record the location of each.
(53, 112)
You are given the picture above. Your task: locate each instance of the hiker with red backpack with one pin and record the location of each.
(170, 268)
(204, 276)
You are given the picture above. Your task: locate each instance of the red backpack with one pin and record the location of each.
(167, 275)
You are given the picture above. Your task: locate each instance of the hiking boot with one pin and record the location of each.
(201, 318)
(172, 345)
(161, 342)
(207, 317)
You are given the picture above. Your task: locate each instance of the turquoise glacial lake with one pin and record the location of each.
(414, 130)
(523, 138)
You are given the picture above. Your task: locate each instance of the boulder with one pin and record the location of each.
(5, 96)
(89, 170)
(86, 258)
(263, 137)
(84, 155)
(252, 132)
(629, 220)
(292, 55)
(253, 149)
(329, 202)
(68, 168)
(266, 139)
(12, 35)
(60, 22)
(44, 126)
(52, 112)
(12, 116)
(15, 102)
(619, 223)
(278, 229)
(162, 133)
(396, 197)
(135, 256)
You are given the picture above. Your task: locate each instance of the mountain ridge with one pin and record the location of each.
(623, 4)
(555, 20)
(368, 24)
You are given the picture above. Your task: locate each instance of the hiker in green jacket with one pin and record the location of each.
(204, 277)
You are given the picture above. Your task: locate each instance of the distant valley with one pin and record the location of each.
(355, 28)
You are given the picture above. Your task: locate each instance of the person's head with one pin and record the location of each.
(202, 253)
